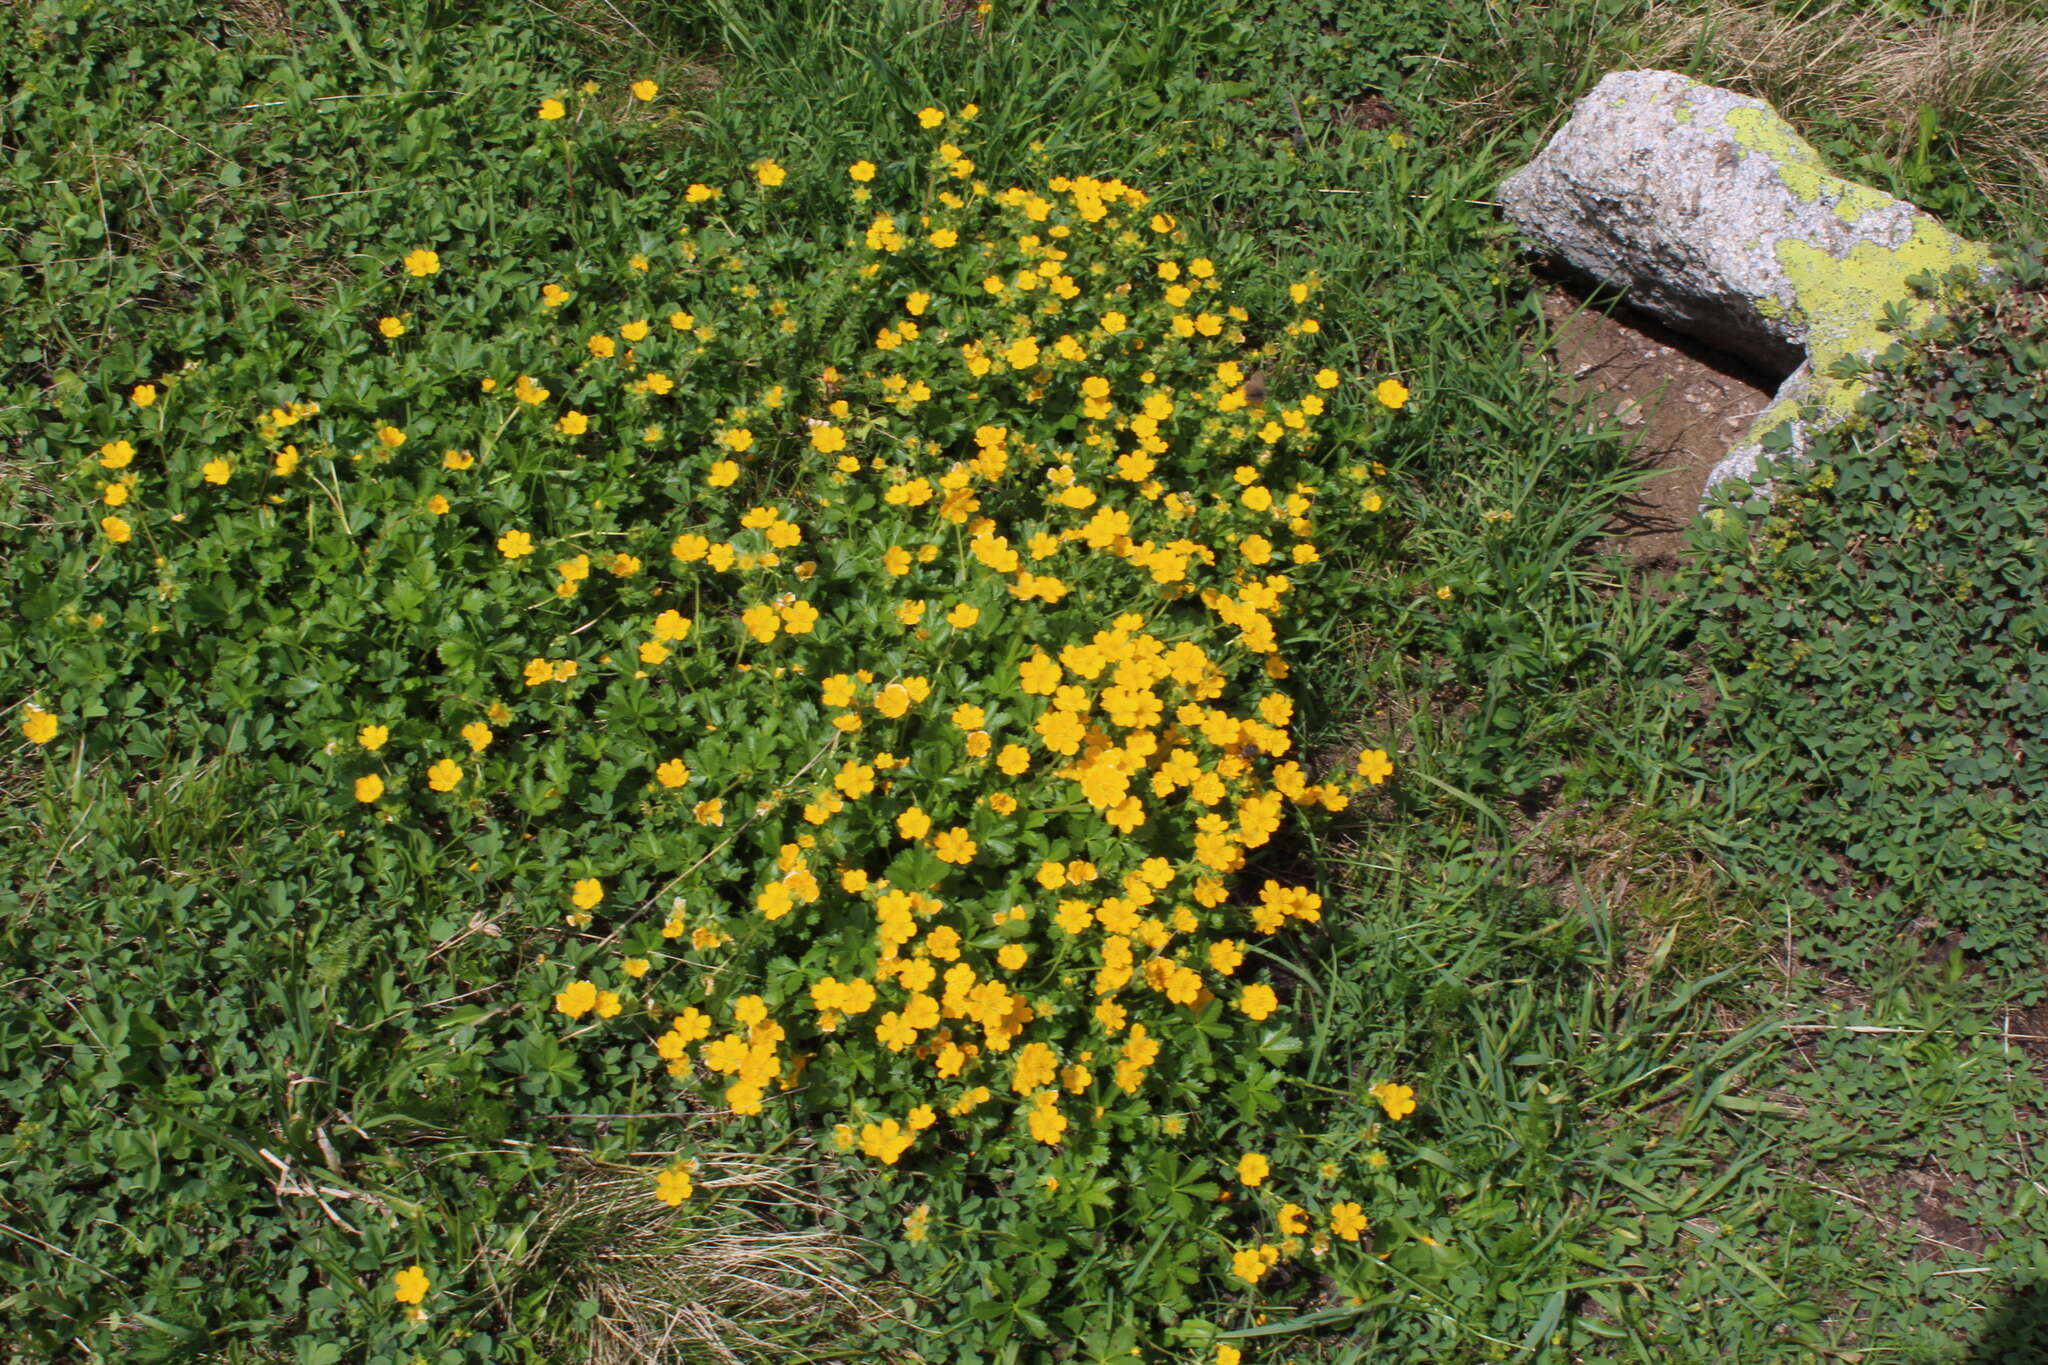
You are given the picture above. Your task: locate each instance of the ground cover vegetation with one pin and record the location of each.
(934, 683)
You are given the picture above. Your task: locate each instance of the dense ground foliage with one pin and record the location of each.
(908, 682)
(1877, 630)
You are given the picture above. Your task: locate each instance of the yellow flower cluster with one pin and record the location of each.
(1157, 732)
(959, 663)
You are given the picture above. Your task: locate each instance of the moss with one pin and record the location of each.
(1780, 412)
(1840, 300)
(1857, 200)
(1844, 299)
(1758, 129)
(1799, 165)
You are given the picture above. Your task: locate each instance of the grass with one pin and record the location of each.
(669, 1284)
(1646, 1130)
(1964, 83)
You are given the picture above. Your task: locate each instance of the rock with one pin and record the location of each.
(1710, 213)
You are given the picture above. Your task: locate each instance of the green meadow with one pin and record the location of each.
(919, 681)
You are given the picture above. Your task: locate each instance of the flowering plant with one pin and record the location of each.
(865, 667)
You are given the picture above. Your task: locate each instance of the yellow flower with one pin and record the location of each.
(635, 967)
(1258, 1001)
(913, 823)
(572, 423)
(885, 1141)
(954, 846)
(1347, 1221)
(457, 459)
(1226, 1354)
(673, 1186)
(116, 530)
(40, 726)
(1391, 393)
(1327, 379)
(577, 999)
(1397, 1100)
(1046, 1122)
(644, 90)
(553, 296)
(945, 237)
(142, 395)
(515, 544)
(410, 1285)
(552, 109)
(827, 440)
(422, 262)
(391, 437)
(930, 117)
(391, 327)
(768, 173)
(116, 455)
(697, 194)
(479, 736)
(672, 773)
(1374, 766)
(445, 775)
(216, 471)
(372, 737)
(963, 616)
(586, 894)
(862, 171)
(1252, 1168)
(369, 788)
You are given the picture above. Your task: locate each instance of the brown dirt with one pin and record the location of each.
(1371, 112)
(1685, 403)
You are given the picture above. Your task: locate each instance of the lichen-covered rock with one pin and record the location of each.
(1713, 215)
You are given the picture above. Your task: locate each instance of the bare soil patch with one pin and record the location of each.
(1687, 404)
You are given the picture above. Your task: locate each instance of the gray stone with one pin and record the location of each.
(1713, 215)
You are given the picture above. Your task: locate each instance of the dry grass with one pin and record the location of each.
(623, 37)
(1665, 897)
(1978, 81)
(743, 1270)
(268, 21)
